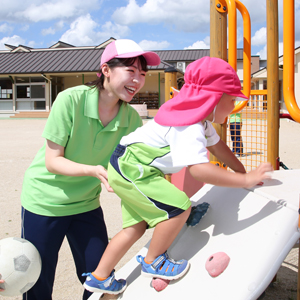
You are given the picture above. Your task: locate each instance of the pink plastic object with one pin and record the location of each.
(217, 263)
(160, 284)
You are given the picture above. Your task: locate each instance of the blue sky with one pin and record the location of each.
(154, 24)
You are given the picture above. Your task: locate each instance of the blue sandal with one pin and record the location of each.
(109, 286)
(164, 267)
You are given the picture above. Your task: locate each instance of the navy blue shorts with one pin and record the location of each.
(86, 234)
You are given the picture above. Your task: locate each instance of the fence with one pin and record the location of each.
(253, 133)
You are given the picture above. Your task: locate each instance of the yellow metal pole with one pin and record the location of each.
(232, 25)
(170, 81)
(272, 83)
(288, 59)
(246, 54)
(218, 47)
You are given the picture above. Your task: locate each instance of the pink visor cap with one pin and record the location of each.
(124, 48)
(206, 80)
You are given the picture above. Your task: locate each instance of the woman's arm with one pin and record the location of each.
(56, 163)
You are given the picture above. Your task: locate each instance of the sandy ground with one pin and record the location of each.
(20, 140)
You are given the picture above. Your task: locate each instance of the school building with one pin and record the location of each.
(259, 81)
(30, 79)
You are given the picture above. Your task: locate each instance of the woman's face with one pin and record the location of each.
(124, 81)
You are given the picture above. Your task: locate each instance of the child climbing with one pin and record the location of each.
(179, 136)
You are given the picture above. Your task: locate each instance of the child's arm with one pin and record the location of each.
(209, 173)
(224, 154)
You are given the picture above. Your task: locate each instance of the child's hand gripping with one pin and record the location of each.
(256, 176)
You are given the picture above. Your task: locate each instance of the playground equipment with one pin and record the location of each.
(241, 223)
(288, 59)
(219, 49)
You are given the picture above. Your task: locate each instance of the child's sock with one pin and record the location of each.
(149, 263)
(98, 278)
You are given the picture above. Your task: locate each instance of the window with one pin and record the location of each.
(5, 89)
(6, 94)
(31, 93)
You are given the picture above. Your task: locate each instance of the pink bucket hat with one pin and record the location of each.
(206, 79)
(124, 48)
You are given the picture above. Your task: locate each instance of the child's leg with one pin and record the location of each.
(164, 234)
(118, 247)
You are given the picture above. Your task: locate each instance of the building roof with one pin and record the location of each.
(60, 60)
(65, 58)
(182, 55)
(262, 73)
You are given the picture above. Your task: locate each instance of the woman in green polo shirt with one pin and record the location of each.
(61, 188)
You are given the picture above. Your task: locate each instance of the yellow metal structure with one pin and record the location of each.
(260, 116)
(272, 82)
(218, 164)
(246, 54)
(170, 80)
(253, 131)
(288, 59)
(218, 47)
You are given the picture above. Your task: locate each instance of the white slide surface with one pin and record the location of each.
(256, 228)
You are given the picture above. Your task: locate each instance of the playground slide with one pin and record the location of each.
(256, 228)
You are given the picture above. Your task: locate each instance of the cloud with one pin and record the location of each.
(205, 44)
(5, 28)
(47, 31)
(31, 44)
(189, 16)
(111, 29)
(25, 27)
(262, 53)
(37, 11)
(256, 9)
(14, 40)
(260, 37)
(85, 31)
(154, 45)
(57, 27)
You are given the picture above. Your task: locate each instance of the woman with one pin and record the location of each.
(61, 188)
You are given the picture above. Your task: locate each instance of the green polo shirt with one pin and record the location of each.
(74, 124)
(235, 118)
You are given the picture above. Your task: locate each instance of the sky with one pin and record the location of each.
(153, 24)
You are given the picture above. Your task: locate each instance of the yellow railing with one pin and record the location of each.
(232, 6)
(288, 59)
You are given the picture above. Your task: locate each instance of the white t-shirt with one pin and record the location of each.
(184, 145)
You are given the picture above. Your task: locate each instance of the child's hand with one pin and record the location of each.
(256, 176)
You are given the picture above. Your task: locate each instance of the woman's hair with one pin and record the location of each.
(117, 62)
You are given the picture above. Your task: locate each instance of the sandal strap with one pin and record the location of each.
(166, 265)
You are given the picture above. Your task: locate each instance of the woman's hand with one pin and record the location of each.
(101, 173)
